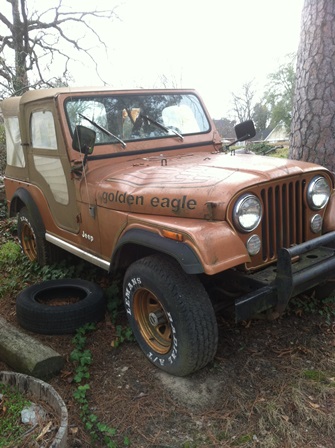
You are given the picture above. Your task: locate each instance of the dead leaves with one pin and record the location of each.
(291, 351)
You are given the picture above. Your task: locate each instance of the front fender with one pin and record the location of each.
(218, 246)
(208, 247)
(181, 252)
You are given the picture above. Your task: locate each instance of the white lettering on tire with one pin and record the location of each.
(26, 220)
(136, 282)
(133, 282)
(174, 353)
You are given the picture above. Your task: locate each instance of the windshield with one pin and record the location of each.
(137, 116)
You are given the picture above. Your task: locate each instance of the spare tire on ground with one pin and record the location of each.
(60, 306)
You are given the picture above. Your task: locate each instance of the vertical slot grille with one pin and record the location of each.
(283, 217)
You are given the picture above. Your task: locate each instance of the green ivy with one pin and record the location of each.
(324, 307)
(82, 358)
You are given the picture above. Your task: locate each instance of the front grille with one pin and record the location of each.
(284, 219)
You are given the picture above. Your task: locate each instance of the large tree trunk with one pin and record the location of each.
(20, 79)
(313, 121)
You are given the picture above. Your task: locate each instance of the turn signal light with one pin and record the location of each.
(172, 235)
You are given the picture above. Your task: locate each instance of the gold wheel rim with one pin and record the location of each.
(28, 242)
(152, 321)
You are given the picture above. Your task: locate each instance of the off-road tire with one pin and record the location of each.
(35, 313)
(171, 315)
(33, 244)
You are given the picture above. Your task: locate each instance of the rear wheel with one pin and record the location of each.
(171, 315)
(33, 244)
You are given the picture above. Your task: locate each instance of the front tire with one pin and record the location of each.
(171, 315)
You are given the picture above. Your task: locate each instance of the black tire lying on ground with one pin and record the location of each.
(60, 306)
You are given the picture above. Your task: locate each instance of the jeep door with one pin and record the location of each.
(49, 166)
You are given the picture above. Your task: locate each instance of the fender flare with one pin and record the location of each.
(181, 252)
(24, 197)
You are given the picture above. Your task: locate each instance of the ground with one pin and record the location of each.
(271, 385)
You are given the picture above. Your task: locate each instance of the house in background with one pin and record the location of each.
(279, 134)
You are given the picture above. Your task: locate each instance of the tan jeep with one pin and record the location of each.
(138, 181)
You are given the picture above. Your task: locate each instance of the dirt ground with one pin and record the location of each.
(271, 385)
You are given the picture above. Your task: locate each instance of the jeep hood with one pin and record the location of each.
(184, 186)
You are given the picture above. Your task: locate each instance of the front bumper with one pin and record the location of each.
(298, 269)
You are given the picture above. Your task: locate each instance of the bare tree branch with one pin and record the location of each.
(36, 38)
(5, 74)
(6, 22)
(243, 104)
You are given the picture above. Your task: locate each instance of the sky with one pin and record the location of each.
(214, 46)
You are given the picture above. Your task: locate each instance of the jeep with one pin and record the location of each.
(139, 182)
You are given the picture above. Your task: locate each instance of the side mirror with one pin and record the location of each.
(245, 130)
(83, 139)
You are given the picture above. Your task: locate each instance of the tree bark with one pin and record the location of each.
(20, 80)
(313, 121)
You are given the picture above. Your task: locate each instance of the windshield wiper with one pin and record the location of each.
(159, 125)
(103, 130)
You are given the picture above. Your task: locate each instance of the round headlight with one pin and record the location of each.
(318, 193)
(247, 213)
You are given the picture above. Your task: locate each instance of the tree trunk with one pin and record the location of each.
(313, 121)
(20, 80)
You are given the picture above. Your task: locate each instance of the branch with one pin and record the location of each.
(37, 39)
(6, 22)
(77, 17)
(50, 50)
(38, 67)
(5, 74)
(6, 41)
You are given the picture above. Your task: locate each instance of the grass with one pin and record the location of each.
(269, 149)
(12, 402)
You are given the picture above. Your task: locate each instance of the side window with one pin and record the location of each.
(43, 134)
(48, 164)
(15, 155)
